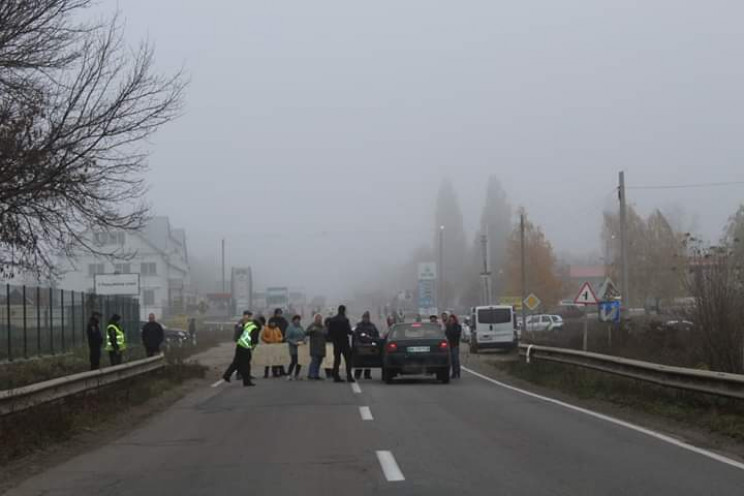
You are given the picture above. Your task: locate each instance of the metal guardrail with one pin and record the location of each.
(702, 381)
(23, 398)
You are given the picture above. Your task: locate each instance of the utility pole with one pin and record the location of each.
(440, 275)
(224, 285)
(486, 274)
(524, 270)
(625, 291)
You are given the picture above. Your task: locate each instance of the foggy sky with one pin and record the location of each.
(315, 134)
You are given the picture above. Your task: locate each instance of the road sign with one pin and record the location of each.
(608, 291)
(427, 271)
(586, 295)
(532, 301)
(609, 311)
(425, 293)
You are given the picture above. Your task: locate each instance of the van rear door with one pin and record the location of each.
(495, 324)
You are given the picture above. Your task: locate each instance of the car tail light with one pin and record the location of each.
(444, 345)
(392, 347)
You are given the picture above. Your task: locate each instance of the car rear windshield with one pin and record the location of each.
(494, 315)
(416, 331)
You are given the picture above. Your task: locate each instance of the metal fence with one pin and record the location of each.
(46, 321)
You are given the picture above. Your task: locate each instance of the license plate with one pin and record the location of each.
(419, 349)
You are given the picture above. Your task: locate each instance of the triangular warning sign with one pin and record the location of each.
(586, 295)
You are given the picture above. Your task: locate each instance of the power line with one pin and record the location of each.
(686, 186)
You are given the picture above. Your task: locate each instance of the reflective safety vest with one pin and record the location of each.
(121, 339)
(245, 338)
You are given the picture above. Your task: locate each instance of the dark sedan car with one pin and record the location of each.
(418, 348)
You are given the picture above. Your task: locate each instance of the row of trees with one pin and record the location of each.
(76, 108)
(463, 260)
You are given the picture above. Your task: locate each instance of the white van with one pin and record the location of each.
(492, 327)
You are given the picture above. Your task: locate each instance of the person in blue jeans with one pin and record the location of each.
(316, 332)
(454, 333)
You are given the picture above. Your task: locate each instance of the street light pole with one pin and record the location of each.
(441, 298)
(524, 270)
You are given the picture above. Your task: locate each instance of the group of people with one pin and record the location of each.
(250, 332)
(114, 339)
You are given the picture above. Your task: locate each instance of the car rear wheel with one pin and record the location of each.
(387, 376)
(443, 375)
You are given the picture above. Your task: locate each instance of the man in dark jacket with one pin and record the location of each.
(152, 336)
(365, 332)
(339, 331)
(95, 340)
(279, 320)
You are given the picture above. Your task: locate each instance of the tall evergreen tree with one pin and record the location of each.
(496, 223)
(449, 217)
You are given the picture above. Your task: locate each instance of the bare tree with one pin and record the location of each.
(76, 108)
(717, 284)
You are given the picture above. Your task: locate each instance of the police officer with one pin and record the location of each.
(116, 340)
(242, 359)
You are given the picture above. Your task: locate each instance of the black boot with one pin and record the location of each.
(338, 379)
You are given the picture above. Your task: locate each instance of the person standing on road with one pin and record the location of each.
(279, 321)
(271, 334)
(192, 330)
(454, 333)
(242, 359)
(295, 337)
(282, 324)
(445, 321)
(116, 340)
(339, 331)
(152, 336)
(95, 340)
(317, 334)
(433, 319)
(366, 332)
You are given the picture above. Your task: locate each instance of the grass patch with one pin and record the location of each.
(32, 430)
(24, 372)
(718, 415)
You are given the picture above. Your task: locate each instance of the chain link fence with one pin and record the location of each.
(46, 321)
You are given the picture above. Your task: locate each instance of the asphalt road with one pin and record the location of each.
(414, 437)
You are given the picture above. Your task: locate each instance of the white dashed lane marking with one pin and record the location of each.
(389, 466)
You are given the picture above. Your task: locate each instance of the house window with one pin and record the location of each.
(122, 268)
(148, 268)
(148, 297)
(106, 238)
(94, 269)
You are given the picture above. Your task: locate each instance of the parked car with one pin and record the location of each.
(175, 336)
(544, 323)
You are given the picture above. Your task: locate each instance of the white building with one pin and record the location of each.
(157, 253)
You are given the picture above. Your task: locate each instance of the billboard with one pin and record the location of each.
(117, 284)
(242, 288)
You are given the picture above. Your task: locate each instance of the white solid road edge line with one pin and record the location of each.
(218, 383)
(355, 387)
(365, 412)
(390, 466)
(662, 437)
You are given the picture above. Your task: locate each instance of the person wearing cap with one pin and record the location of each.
(95, 340)
(242, 359)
